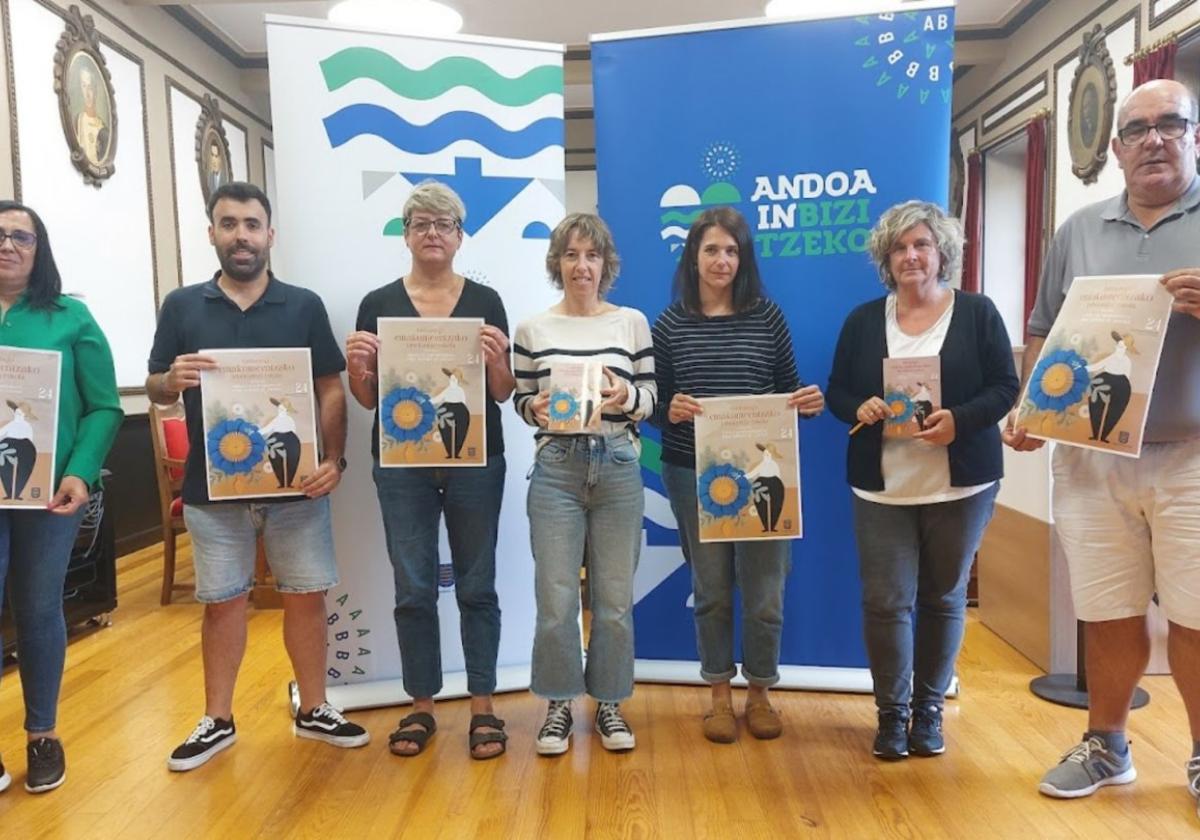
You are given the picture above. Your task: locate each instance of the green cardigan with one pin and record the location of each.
(89, 409)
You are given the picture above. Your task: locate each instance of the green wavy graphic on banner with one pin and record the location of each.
(353, 63)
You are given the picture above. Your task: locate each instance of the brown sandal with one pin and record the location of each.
(763, 720)
(475, 738)
(420, 737)
(720, 726)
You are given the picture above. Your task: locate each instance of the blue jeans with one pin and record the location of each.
(916, 556)
(585, 495)
(297, 536)
(759, 568)
(35, 549)
(411, 501)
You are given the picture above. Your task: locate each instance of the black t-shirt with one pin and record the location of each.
(202, 317)
(476, 301)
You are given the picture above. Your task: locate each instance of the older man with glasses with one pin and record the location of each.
(1131, 528)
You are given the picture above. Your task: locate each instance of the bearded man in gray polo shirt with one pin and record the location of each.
(1131, 528)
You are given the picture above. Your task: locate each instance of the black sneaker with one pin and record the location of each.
(891, 739)
(554, 738)
(210, 736)
(47, 765)
(615, 733)
(5, 779)
(325, 723)
(925, 737)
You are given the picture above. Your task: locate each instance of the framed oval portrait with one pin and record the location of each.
(1092, 101)
(212, 149)
(86, 100)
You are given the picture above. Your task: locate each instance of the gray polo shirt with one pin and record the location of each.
(1105, 238)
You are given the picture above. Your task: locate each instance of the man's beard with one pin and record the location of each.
(237, 272)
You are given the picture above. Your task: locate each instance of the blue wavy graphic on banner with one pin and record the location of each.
(373, 120)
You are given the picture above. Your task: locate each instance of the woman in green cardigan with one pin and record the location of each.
(36, 543)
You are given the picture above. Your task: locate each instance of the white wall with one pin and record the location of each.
(1004, 233)
(101, 236)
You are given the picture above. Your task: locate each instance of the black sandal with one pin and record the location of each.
(477, 738)
(413, 736)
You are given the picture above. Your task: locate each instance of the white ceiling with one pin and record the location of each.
(558, 21)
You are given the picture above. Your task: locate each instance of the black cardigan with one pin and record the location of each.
(979, 386)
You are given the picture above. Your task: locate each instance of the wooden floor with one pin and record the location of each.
(133, 691)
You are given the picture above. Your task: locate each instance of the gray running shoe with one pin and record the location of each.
(1087, 767)
(1193, 774)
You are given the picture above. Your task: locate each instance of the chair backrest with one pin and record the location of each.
(168, 433)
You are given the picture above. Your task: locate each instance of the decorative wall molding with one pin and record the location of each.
(87, 102)
(1093, 101)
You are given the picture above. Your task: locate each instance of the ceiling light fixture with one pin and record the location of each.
(845, 8)
(417, 17)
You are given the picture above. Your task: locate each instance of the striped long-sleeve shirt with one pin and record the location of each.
(723, 356)
(619, 339)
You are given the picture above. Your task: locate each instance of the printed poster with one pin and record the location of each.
(912, 389)
(260, 427)
(748, 469)
(432, 411)
(29, 381)
(575, 401)
(1093, 379)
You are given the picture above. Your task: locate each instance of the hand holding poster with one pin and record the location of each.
(912, 389)
(575, 401)
(431, 393)
(747, 469)
(260, 428)
(29, 381)
(1092, 382)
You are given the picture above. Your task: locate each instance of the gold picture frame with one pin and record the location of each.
(1093, 100)
(212, 149)
(87, 103)
(958, 178)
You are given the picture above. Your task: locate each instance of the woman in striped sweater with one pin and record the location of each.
(585, 494)
(722, 337)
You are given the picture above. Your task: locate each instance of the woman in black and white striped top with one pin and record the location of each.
(585, 491)
(722, 337)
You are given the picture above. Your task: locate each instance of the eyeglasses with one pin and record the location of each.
(21, 239)
(1168, 128)
(420, 227)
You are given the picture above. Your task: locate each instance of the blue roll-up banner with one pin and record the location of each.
(811, 128)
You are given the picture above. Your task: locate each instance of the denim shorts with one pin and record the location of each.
(298, 537)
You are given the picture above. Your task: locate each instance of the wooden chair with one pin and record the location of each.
(168, 432)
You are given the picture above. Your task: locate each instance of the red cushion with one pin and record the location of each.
(177, 506)
(175, 436)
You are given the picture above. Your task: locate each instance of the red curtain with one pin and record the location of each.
(1035, 209)
(973, 224)
(1157, 64)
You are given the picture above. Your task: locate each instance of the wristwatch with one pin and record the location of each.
(340, 463)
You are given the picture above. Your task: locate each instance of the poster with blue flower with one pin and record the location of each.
(748, 469)
(912, 389)
(575, 397)
(1093, 379)
(29, 384)
(260, 427)
(432, 407)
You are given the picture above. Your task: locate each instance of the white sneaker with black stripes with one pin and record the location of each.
(210, 736)
(325, 723)
(615, 733)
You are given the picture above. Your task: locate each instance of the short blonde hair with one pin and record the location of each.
(898, 220)
(432, 196)
(586, 226)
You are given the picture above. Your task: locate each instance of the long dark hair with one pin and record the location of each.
(747, 285)
(45, 283)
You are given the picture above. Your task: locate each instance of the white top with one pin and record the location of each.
(1117, 363)
(18, 428)
(452, 393)
(282, 422)
(768, 467)
(916, 472)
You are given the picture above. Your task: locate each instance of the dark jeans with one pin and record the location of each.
(759, 568)
(916, 556)
(35, 549)
(412, 501)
